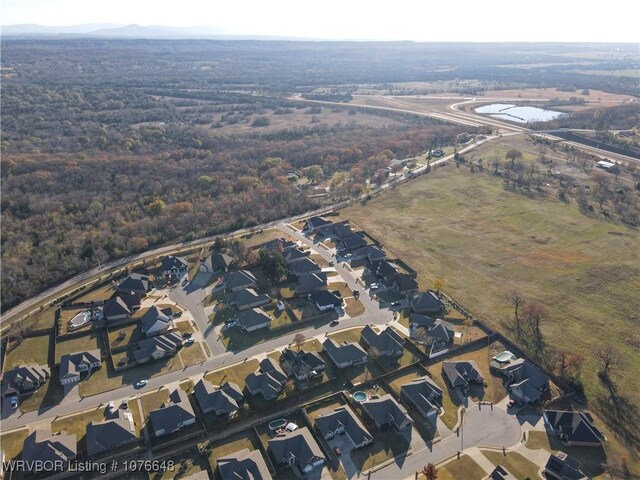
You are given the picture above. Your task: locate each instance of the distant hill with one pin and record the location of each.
(34, 29)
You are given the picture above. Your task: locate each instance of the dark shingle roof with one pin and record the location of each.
(427, 302)
(325, 298)
(110, 434)
(243, 465)
(564, 467)
(248, 296)
(42, 445)
(299, 444)
(176, 410)
(344, 352)
(460, 373)
(241, 278)
(253, 317)
(386, 340)
(294, 254)
(114, 307)
(309, 282)
(501, 473)
(154, 316)
(217, 398)
(344, 416)
(172, 262)
(436, 328)
(14, 380)
(576, 426)
(386, 410)
(69, 363)
(136, 282)
(306, 265)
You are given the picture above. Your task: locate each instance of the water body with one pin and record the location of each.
(504, 111)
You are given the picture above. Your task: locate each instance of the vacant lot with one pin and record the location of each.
(484, 241)
(28, 350)
(236, 373)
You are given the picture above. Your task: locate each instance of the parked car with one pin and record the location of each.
(334, 323)
(374, 286)
(124, 405)
(14, 403)
(186, 334)
(396, 304)
(331, 264)
(141, 383)
(189, 341)
(231, 323)
(356, 293)
(337, 451)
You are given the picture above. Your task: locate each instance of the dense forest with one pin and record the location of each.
(110, 147)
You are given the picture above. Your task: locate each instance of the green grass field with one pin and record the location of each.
(484, 241)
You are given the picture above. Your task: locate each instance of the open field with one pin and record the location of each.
(29, 350)
(192, 354)
(468, 230)
(153, 401)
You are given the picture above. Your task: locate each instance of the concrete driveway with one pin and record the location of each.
(344, 443)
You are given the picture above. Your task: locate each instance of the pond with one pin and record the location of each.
(518, 114)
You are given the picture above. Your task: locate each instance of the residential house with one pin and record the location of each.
(304, 266)
(245, 298)
(24, 380)
(372, 253)
(132, 300)
(156, 320)
(268, 381)
(279, 244)
(385, 412)
(302, 365)
(115, 309)
(343, 421)
(562, 467)
(310, 282)
(382, 269)
(244, 464)
(345, 354)
(424, 395)
(175, 414)
(217, 262)
(426, 303)
(294, 255)
(158, 347)
(111, 434)
(135, 283)
(341, 230)
(525, 381)
(253, 319)
(241, 279)
(427, 330)
(43, 446)
(574, 429)
(74, 365)
(325, 300)
(176, 267)
(349, 244)
(461, 374)
(400, 283)
(387, 343)
(297, 449)
(501, 473)
(317, 225)
(223, 401)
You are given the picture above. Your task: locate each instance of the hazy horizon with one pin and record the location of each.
(495, 21)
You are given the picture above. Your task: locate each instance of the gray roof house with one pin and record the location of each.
(245, 298)
(424, 395)
(158, 347)
(341, 230)
(253, 319)
(295, 255)
(304, 266)
(562, 467)
(350, 243)
(426, 329)
(574, 429)
(174, 414)
(371, 252)
(111, 434)
(401, 283)
(461, 373)
(24, 380)
(297, 449)
(224, 401)
(317, 225)
(240, 279)
(115, 309)
(526, 382)
(427, 303)
(325, 300)
(156, 320)
(382, 268)
(343, 420)
(41, 445)
(345, 354)
(302, 365)
(387, 343)
(74, 365)
(244, 464)
(136, 283)
(131, 299)
(217, 262)
(268, 382)
(386, 412)
(310, 282)
(176, 266)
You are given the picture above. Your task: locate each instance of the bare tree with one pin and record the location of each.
(535, 314)
(568, 365)
(468, 323)
(513, 155)
(298, 340)
(517, 300)
(609, 358)
(430, 471)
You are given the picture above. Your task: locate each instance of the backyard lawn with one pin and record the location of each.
(351, 335)
(102, 292)
(463, 468)
(152, 401)
(12, 442)
(192, 354)
(396, 381)
(29, 350)
(519, 466)
(78, 424)
(186, 463)
(386, 445)
(125, 335)
(90, 341)
(246, 439)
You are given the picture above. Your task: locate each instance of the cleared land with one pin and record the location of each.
(485, 241)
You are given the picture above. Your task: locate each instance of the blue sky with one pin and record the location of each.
(424, 20)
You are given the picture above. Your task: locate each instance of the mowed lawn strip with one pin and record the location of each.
(463, 468)
(484, 241)
(236, 373)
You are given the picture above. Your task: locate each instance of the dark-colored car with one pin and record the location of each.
(338, 451)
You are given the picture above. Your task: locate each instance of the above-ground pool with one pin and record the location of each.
(80, 319)
(505, 357)
(360, 396)
(276, 424)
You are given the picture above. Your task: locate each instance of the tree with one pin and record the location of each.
(567, 364)
(314, 173)
(430, 471)
(535, 314)
(517, 300)
(468, 323)
(609, 358)
(273, 264)
(298, 340)
(496, 165)
(513, 155)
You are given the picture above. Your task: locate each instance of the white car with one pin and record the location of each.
(141, 383)
(14, 403)
(374, 285)
(189, 341)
